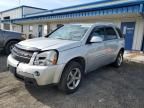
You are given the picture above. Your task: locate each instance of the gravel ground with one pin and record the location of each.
(107, 87)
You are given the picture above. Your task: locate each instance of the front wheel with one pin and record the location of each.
(71, 77)
(119, 59)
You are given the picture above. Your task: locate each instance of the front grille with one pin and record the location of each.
(22, 55)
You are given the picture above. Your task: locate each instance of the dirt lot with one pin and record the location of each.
(107, 87)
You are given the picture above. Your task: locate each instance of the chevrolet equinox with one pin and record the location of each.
(68, 53)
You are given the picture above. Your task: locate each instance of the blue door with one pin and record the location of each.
(128, 29)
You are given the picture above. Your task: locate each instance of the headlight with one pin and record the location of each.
(46, 58)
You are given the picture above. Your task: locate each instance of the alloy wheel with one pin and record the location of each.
(74, 78)
(120, 59)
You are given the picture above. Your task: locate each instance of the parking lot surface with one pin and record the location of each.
(107, 87)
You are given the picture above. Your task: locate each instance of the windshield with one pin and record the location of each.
(70, 32)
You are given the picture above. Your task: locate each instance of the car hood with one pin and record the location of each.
(47, 44)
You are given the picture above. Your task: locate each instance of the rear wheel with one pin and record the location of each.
(119, 59)
(9, 46)
(71, 77)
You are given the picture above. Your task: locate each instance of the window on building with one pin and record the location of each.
(6, 26)
(110, 33)
(6, 18)
(30, 28)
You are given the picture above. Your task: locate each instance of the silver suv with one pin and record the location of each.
(66, 54)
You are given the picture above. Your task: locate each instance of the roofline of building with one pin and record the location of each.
(86, 4)
(119, 5)
(110, 6)
(68, 7)
(92, 3)
(73, 12)
(22, 7)
(34, 7)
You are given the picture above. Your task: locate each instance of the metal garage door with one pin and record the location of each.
(128, 29)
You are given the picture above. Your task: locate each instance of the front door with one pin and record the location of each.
(40, 28)
(95, 51)
(128, 29)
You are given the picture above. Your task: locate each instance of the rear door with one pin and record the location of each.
(111, 44)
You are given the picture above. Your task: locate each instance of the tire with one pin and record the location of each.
(119, 60)
(70, 78)
(9, 46)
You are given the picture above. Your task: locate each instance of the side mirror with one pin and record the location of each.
(96, 39)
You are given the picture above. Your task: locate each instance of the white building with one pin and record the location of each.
(14, 13)
(126, 14)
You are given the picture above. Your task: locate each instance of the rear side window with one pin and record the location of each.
(110, 34)
(120, 33)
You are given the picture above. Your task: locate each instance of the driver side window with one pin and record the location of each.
(98, 31)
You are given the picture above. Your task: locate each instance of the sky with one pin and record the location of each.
(47, 4)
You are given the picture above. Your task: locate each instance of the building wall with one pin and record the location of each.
(138, 35)
(34, 32)
(53, 25)
(13, 14)
(17, 13)
(139, 27)
(17, 28)
(139, 32)
(29, 10)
